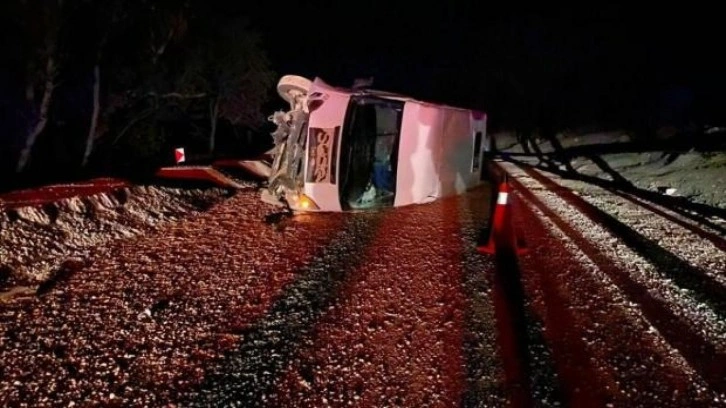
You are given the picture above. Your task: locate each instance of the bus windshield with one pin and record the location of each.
(369, 152)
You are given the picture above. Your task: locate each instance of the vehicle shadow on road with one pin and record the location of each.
(702, 287)
(697, 212)
(248, 374)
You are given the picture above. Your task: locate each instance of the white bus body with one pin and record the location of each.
(343, 149)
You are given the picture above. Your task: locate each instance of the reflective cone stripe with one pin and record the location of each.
(502, 198)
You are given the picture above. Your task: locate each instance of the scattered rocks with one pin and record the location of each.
(37, 239)
(147, 317)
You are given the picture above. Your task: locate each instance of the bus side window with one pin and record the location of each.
(476, 160)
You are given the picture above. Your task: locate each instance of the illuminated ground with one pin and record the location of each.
(241, 306)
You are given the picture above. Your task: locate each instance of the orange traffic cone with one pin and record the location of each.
(501, 234)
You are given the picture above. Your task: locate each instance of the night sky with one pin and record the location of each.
(533, 70)
(581, 64)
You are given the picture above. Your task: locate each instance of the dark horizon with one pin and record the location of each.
(546, 69)
(602, 64)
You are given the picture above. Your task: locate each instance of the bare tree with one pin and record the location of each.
(229, 65)
(214, 118)
(92, 130)
(45, 78)
(108, 16)
(164, 25)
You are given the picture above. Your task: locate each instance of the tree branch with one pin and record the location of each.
(133, 121)
(176, 95)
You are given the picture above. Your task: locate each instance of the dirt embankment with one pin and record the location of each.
(45, 242)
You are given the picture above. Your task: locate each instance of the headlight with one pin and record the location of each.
(301, 202)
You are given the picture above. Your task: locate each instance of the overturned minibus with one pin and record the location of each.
(340, 149)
